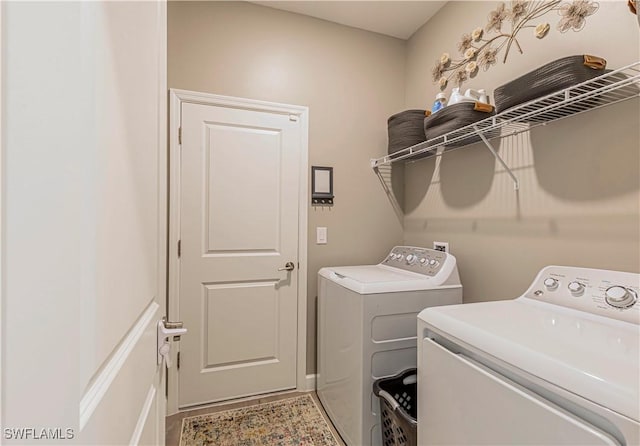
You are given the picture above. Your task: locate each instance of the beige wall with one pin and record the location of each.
(351, 80)
(579, 197)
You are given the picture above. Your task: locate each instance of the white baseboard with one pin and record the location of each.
(310, 382)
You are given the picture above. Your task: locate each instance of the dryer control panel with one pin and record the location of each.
(418, 260)
(612, 294)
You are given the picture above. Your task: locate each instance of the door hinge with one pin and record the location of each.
(179, 135)
(178, 361)
(179, 248)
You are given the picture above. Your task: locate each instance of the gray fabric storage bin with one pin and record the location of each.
(547, 79)
(405, 130)
(455, 117)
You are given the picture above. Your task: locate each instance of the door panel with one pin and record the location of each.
(125, 179)
(238, 225)
(242, 213)
(128, 392)
(257, 303)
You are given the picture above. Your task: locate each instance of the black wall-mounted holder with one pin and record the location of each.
(322, 186)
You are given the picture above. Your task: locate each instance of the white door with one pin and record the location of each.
(239, 209)
(84, 232)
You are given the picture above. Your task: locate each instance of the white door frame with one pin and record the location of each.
(177, 98)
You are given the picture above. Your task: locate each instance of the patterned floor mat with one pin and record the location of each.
(290, 422)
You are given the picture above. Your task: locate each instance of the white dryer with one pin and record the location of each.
(558, 365)
(367, 319)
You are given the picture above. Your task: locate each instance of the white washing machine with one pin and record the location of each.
(558, 365)
(367, 319)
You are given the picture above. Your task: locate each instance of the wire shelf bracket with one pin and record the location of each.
(516, 183)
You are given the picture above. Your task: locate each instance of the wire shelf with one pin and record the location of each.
(607, 89)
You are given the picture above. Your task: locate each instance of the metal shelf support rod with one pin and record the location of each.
(516, 183)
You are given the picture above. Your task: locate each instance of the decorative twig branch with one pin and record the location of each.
(478, 52)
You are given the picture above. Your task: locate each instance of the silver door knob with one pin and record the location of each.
(289, 266)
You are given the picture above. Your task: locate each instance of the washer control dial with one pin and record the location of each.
(551, 284)
(433, 262)
(620, 297)
(411, 259)
(576, 288)
(423, 261)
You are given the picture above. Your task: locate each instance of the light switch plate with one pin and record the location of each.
(321, 235)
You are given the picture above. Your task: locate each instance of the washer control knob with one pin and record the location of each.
(423, 261)
(620, 297)
(411, 259)
(576, 288)
(433, 262)
(551, 284)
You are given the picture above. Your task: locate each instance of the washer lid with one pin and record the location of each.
(371, 279)
(591, 356)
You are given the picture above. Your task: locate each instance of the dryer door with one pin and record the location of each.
(462, 402)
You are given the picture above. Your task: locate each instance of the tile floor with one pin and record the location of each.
(174, 422)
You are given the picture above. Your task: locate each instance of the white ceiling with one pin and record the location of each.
(394, 18)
